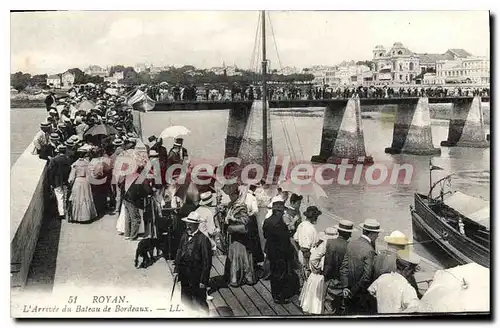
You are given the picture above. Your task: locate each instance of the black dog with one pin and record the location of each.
(145, 249)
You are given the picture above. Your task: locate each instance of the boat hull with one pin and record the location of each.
(453, 250)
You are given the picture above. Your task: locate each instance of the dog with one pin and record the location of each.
(145, 250)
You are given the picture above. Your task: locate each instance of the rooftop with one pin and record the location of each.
(461, 53)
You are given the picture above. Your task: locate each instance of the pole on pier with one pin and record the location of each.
(264, 94)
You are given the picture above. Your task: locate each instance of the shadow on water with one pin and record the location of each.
(42, 271)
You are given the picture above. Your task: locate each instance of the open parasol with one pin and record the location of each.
(311, 189)
(101, 129)
(174, 132)
(86, 106)
(464, 288)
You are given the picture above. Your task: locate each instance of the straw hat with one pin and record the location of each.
(371, 225)
(329, 233)
(54, 136)
(193, 217)
(206, 198)
(117, 142)
(345, 225)
(396, 238)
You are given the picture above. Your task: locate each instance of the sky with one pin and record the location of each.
(52, 42)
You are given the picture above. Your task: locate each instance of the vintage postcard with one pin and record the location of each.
(181, 164)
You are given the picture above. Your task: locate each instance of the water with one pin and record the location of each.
(24, 124)
(389, 204)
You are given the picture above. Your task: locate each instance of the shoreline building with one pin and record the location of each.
(396, 65)
(471, 70)
(96, 70)
(67, 80)
(54, 81)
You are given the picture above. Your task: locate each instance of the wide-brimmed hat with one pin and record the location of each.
(312, 211)
(397, 238)
(85, 148)
(54, 136)
(371, 225)
(70, 142)
(53, 111)
(345, 225)
(295, 198)
(153, 153)
(117, 142)
(193, 217)
(206, 198)
(45, 125)
(61, 148)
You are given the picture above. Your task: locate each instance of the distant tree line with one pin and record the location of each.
(187, 74)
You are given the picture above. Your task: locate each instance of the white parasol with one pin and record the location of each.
(90, 84)
(311, 189)
(464, 288)
(174, 132)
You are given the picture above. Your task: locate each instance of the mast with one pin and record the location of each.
(264, 93)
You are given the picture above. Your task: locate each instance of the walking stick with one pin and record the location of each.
(176, 277)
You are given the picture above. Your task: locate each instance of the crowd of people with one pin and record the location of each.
(238, 91)
(264, 233)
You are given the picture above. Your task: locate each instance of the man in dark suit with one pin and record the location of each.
(334, 255)
(177, 155)
(193, 263)
(57, 174)
(356, 272)
(50, 100)
(284, 281)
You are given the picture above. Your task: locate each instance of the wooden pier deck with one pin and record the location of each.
(94, 260)
(245, 301)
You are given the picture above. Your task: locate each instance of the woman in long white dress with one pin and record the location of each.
(313, 292)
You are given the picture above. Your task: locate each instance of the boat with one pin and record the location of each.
(455, 229)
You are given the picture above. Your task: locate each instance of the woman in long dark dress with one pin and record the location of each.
(239, 268)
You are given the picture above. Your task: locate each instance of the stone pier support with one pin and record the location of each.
(251, 147)
(412, 132)
(342, 136)
(466, 125)
(237, 121)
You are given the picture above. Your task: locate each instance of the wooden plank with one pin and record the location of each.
(258, 301)
(250, 292)
(278, 309)
(226, 293)
(292, 308)
(239, 294)
(218, 301)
